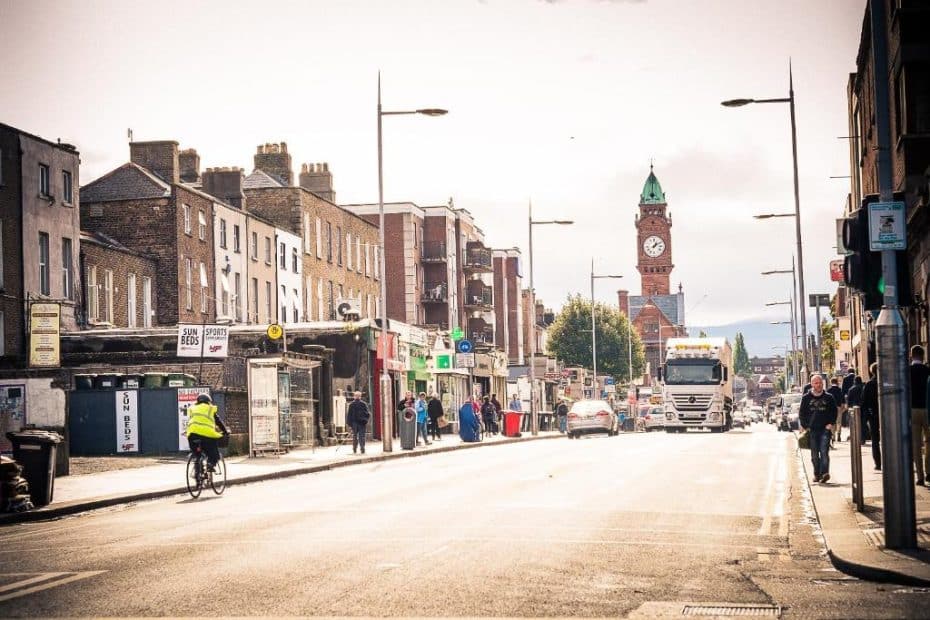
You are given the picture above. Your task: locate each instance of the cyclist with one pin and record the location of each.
(202, 424)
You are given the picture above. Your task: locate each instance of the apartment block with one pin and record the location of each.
(508, 304)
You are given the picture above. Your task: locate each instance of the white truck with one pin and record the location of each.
(697, 385)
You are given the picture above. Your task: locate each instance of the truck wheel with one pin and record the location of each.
(671, 430)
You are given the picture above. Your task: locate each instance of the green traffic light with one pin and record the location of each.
(881, 285)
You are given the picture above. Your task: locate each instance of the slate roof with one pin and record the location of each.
(128, 182)
(259, 179)
(667, 305)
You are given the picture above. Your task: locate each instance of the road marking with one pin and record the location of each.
(43, 581)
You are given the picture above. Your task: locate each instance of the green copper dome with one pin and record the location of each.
(652, 191)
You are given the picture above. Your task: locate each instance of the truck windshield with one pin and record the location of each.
(691, 372)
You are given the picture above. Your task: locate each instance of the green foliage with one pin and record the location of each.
(703, 334)
(741, 364)
(570, 339)
(828, 344)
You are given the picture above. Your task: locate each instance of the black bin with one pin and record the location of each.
(35, 450)
(407, 424)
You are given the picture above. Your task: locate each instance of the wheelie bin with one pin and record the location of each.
(512, 423)
(35, 450)
(407, 427)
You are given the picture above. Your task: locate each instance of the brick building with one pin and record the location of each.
(117, 288)
(908, 55)
(508, 304)
(39, 234)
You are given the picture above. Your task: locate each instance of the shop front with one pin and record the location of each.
(453, 385)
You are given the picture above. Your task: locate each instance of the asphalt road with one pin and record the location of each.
(629, 525)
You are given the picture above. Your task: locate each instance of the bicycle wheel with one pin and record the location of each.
(194, 479)
(218, 477)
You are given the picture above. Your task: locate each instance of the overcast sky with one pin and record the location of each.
(558, 102)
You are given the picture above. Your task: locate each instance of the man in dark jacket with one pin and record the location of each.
(562, 413)
(837, 393)
(817, 415)
(357, 419)
(434, 411)
(920, 430)
(854, 399)
(870, 414)
(849, 380)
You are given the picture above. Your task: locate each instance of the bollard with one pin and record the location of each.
(855, 453)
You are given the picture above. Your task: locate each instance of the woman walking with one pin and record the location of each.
(434, 411)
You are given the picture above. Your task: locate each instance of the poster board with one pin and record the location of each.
(263, 405)
(127, 421)
(44, 335)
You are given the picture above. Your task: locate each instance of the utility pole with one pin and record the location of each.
(890, 342)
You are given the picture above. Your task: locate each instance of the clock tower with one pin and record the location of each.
(654, 239)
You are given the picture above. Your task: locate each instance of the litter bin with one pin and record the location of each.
(407, 425)
(35, 450)
(130, 382)
(84, 382)
(154, 380)
(105, 382)
(512, 423)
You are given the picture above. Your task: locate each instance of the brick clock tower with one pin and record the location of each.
(654, 239)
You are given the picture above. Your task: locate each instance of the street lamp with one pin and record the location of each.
(733, 103)
(534, 415)
(796, 309)
(386, 409)
(787, 374)
(766, 216)
(593, 328)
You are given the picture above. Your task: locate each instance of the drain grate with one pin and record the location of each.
(767, 611)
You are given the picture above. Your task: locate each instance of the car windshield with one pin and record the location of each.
(692, 372)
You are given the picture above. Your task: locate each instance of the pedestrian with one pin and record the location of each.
(434, 411)
(849, 380)
(920, 431)
(561, 411)
(498, 412)
(854, 399)
(420, 407)
(837, 393)
(871, 414)
(817, 416)
(487, 416)
(515, 404)
(357, 419)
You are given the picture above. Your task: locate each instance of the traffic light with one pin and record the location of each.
(862, 269)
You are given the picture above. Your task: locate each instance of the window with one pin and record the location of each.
(253, 246)
(332, 313)
(268, 259)
(368, 261)
(222, 233)
(283, 303)
(253, 315)
(282, 255)
(44, 181)
(349, 251)
(306, 229)
(319, 238)
(358, 254)
(93, 298)
(203, 287)
(329, 242)
(295, 261)
(295, 306)
(187, 218)
(309, 293)
(339, 245)
(376, 265)
(67, 264)
(146, 302)
(44, 282)
(268, 302)
(319, 300)
(67, 190)
(201, 225)
(108, 296)
(237, 299)
(236, 238)
(131, 300)
(188, 276)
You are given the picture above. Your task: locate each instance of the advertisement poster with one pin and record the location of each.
(127, 421)
(186, 398)
(886, 226)
(44, 335)
(12, 412)
(205, 340)
(263, 405)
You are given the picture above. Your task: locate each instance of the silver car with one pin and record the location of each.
(654, 419)
(591, 416)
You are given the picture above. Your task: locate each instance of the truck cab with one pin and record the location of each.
(697, 387)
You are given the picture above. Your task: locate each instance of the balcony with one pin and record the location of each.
(435, 293)
(483, 337)
(478, 260)
(479, 298)
(433, 252)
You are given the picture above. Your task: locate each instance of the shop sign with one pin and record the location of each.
(886, 226)
(836, 271)
(203, 340)
(443, 361)
(127, 421)
(186, 398)
(44, 335)
(465, 360)
(844, 334)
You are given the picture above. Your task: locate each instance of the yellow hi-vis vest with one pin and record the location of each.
(201, 421)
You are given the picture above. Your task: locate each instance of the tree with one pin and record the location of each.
(741, 364)
(703, 334)
(570, 339)
(828, 344)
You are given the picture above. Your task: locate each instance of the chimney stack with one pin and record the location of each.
(226, 184)
(274, 160)
(318, 179)
(189, 165)
(159, 157)
(623, 299)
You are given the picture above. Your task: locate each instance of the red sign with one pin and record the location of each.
(836, 271)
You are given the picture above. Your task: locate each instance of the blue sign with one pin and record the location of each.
(610, 381)
(464, 346)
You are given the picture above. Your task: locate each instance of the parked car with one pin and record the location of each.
(756, 413)
(654, 419)
(741, 419)
(591, 416)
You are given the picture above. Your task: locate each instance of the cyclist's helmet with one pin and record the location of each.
(204, 398)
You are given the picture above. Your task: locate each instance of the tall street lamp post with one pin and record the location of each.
(790, 321)
(534, 414)
(796, 309)
(732, 103)
(385, 382)
(593, 326)
(787, 374)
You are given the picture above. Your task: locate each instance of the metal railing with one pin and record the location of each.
(434, 251)
(484, 298)
(437, 292)
(478, 258)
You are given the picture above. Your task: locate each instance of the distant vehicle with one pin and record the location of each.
(654, 419)
(591, 416)
(741, 419)
(783, 411)
(756, 413)
(697, 388)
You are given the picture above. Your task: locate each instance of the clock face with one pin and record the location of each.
(653, 246)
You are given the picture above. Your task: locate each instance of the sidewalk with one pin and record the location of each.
(81, 493)
(854, 540)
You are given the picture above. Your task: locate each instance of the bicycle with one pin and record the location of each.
(197, 475)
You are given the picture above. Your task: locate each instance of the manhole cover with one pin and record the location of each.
(769, 611)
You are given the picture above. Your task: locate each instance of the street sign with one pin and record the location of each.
(844, 334)
(443, 362)
(203, 340)
(886, 226)
(818, 299)
(836, 271)
(553, 376)
(457, 333)
(275, 331)
(464, 346)
(610, 381)
(610, 388)
(465, 360)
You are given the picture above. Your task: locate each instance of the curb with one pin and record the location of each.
(78, 506)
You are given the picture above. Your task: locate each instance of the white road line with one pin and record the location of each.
(50, 584)
(30, 581)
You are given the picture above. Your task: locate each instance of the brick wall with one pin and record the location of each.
(655, 272)
(121, 263)
(160, 157)
(200, 251)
